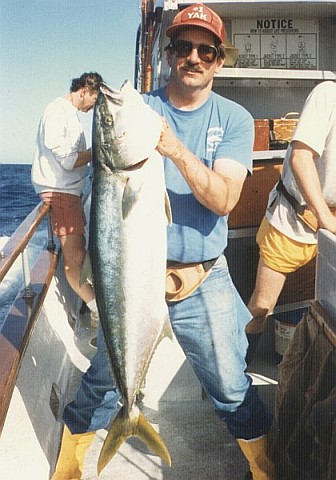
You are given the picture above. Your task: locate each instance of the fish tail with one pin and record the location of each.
(134, 425)
(150, 437)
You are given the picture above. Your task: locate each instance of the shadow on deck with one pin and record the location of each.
(200, 445)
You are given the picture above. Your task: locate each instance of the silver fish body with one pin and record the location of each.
(127, 247)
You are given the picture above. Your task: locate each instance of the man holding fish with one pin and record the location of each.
(206, 144)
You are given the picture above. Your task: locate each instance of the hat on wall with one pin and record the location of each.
(198, 15)
(231, 54)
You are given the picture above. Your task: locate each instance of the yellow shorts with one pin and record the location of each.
(281, 253)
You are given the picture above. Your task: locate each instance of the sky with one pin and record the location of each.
(44, 44)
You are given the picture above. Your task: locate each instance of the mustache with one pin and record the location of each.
(192, 67)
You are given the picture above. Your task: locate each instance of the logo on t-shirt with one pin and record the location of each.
(214, 137)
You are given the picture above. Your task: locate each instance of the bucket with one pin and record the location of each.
(261, 135)
(285, 324)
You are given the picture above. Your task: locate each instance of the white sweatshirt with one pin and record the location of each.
(317, 129)
(59, 138)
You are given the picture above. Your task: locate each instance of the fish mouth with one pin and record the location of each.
(136, 166)
(112, 93)
(106, 151)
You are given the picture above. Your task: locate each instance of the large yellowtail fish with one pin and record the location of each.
(128, 222)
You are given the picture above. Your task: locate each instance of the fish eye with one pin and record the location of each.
(108, 120)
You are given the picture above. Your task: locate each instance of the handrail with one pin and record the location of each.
(20, 238)
(18, 324)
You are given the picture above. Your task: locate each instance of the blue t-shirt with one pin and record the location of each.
(217, 129)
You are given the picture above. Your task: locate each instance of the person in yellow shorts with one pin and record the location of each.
(281, 253)
(303, 201)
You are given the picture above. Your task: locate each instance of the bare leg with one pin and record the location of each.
(73, 249)
(269, 284)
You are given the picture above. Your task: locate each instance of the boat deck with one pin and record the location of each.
(200, 445)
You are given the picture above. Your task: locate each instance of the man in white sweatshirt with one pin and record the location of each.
(59, 170)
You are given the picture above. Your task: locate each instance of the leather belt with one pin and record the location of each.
(207, 264)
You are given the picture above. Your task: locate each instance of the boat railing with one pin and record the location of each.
(20, 319)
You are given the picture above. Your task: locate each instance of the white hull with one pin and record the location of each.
(30, 437)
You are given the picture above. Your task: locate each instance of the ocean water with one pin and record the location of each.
(17, 196)
(17, 200)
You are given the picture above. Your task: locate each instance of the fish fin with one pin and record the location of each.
(86, 271)
(167, 329)
(124, 427)
(151, 437)
(168, 210)
(129, 199)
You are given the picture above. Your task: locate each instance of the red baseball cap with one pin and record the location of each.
(198, 15)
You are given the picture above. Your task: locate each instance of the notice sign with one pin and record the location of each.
(276, 43)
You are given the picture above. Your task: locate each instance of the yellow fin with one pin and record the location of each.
(129, 199)
(134, 425)
(86, 271)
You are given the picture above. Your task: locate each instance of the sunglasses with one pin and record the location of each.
(183, 48)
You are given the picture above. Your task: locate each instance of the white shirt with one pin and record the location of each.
(316, 129)
(59, 139)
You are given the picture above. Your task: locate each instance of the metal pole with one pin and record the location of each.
(51, 244)
(28, 290)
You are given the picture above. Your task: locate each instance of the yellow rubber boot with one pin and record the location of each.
(70, 460)
(256, 452)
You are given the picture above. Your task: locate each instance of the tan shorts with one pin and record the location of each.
(281, 253)
(66, 211)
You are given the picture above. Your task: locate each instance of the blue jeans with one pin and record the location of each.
(97, 399)
(210, 327)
